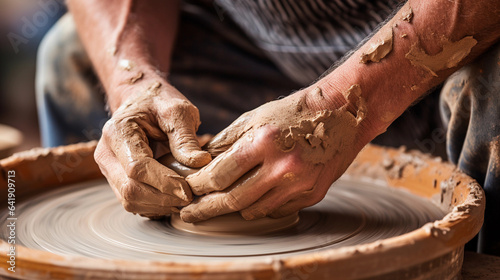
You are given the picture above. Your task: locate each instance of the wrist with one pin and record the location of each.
(325, 95)
(342, 92)
(131, 80)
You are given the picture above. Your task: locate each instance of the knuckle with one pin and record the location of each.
(255, 213)
(135, 168)
(183, 106)
(314, 195)
(266, 135)
(129, 206)
(247, 115)
(181, 113)
(241, 158)
(109, 127)
(233, 203)
(129, 128)
(130, 193)
(99, 154)
(290, 166)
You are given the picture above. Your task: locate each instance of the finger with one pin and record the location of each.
(136, 197)
(107, 162)
(170, 162)
(226, 138)
(246, 191)
(291, 207)
(269, 202)
(139, 200)
(159, 148)
(301, 201)
(130, 144)
(289, 187)
(226, 168)
(130, 190)
(153, 212)
(203, 139)
(180, 123)
(140, 194)
(185, 147)
(319, 186)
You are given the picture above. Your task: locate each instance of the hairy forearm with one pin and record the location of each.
(128, 41)
(426, 48)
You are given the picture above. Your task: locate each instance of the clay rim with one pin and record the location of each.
(430, 241)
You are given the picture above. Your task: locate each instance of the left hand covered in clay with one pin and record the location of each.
(278, 158)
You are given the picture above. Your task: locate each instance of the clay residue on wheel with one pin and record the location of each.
(447, 187)
(396, 167)
(380, 48)
(451, 55)
(459, 210)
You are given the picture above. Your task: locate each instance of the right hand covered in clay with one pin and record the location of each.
(124, 155)
(280, 157)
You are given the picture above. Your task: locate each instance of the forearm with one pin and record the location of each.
(390, 86)
(129, 42)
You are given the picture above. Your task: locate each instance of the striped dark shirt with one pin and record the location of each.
(305, 37)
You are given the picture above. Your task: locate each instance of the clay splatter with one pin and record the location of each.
(451, 55)
(380, 48)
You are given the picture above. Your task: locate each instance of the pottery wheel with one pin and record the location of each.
(87, 220)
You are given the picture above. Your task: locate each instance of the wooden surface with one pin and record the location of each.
(480, 267)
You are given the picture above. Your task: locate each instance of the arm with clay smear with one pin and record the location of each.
(284, 155)
(130, 45)
(429, 40)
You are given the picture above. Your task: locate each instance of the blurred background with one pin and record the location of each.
(22, 26)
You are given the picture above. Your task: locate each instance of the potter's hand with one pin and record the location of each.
(141, 183)
(276, 159)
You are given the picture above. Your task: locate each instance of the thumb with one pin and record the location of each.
(180, 121)
(185, 147)
(226, 138)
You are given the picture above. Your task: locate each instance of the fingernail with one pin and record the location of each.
(200, 184)
(252, 215)
(198, 158)
(247, 215)
(186, 216)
